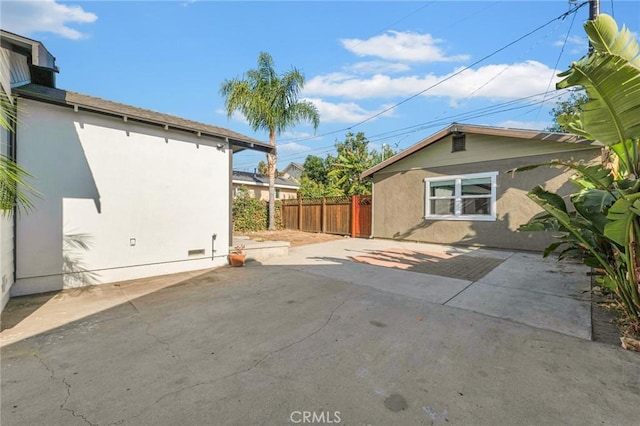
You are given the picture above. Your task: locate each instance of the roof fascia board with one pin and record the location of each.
(399, 156)
(480, 130)
(36, 48)
(130, 118)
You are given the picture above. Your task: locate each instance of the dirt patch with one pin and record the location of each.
(295, 238)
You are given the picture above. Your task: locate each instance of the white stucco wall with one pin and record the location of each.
(6, 239)
(6, 259)
(105, 182)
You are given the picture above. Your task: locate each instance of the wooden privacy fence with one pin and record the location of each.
(329, 215)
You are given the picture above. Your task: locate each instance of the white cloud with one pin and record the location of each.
(236, 116)
(401, 46)
(574, 44)
(527, 125)
(292, 147)
(347, 112)
(294, 135)
(491, 82)
(373, 67)
(28, 17)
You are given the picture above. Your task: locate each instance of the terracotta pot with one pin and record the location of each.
(236, 259)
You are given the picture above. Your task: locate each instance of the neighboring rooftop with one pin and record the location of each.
(293, 170)
(249, 178)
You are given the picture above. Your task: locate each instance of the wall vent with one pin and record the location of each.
(458, 142)
(196, 252)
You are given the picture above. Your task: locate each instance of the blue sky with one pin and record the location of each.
(360, 60)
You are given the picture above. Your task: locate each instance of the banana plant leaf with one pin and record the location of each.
(621, 216)
(593, 176)
(611, 78)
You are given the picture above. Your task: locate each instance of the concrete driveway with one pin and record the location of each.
(521, 287)
(293, 340)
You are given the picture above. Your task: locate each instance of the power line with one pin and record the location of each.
(575, 9)
(468, 115)
(555, 67)
(449, 77)
(463, 116)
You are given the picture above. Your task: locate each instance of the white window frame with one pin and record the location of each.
(458, 197)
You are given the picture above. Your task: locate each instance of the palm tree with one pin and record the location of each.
(269, 102)
(14, 190)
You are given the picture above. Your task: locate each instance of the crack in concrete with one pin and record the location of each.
(245, 370)
(168, 348)
(313, 333)
(67, 386)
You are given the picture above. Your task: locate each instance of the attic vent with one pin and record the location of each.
(196, 252)
(458, 143)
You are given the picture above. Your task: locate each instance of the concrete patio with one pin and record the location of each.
(520, 287)
(264, 343)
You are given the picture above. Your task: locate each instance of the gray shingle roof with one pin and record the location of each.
(103, 106)
(258, 179)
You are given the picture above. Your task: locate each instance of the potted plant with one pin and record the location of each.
(237, 256)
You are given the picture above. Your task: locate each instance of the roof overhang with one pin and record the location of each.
(456, 128)
(79, 102)
(39, 54)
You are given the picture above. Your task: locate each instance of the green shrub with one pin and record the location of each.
(249, 214)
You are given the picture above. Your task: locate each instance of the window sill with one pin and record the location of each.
(463, 218)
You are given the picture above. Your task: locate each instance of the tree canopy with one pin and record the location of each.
(339, 174)
(568, 107)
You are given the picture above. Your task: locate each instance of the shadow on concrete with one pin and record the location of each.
(251, 345)
(20, 308)
(27, 316)
(470, 268)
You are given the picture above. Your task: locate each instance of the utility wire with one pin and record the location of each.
(468, 115)
(478, 113)
(564, 15)
(560, 17)
(555, 67)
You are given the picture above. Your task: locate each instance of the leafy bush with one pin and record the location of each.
(249, 214)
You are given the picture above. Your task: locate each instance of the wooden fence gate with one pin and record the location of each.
(330, 215)
(361, 217)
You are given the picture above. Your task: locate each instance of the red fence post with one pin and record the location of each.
(354, 215)
(323, 216)
(299, 214)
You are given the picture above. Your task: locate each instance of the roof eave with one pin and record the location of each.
(235, 143)
(479, 130)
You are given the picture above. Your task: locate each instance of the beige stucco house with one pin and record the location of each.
(454, 187)
(258, 185)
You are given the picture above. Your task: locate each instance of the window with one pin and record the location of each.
(464, 197)
(277, 193)
(458, 143)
